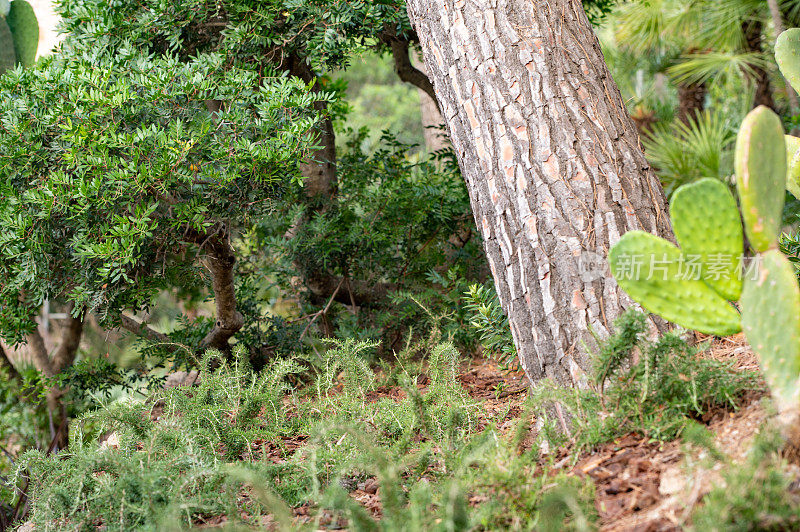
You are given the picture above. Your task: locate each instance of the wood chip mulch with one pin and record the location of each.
(627, 476)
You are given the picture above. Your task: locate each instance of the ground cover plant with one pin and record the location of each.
(336, 443)
(334, 264)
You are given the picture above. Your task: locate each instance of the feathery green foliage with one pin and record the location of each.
(657, 396)
(221, 444)
(167, 468)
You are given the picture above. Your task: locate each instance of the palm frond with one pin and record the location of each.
(715, 66)
(791, 11)
(684, 152)
(648, 26)
(723, 20)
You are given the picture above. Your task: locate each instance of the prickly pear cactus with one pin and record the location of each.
(793, 165)
(7, 56)
(760, 163)
(771, 321)
(705, 220)
(706, 223)
(24, 27)
(653, 272)
(787, 55)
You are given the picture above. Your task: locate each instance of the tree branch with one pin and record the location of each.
(406, 71)
(143, 330)
(220, 262)
(5, 362)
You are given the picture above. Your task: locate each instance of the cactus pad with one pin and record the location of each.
(651, 270)
(787, 55)
(7, 56)
(25, 29)
(793, 165)
(761, 175)
(771, 322)
(707, 225)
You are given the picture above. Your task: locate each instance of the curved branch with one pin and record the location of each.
(220, 262)
(143, 330)
(5, 362)
(407, 71)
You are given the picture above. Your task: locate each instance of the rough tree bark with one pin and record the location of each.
(552, 162)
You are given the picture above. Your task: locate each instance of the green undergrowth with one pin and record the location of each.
(307, 435)
(654, 388)
(251, 447)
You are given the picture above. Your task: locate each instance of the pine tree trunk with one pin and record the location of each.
(552, 162)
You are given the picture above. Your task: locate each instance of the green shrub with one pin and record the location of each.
(490, 323)
(657, 396)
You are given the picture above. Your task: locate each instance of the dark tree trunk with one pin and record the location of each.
(753, 30)
(552, 162)
(220, 261)
(691, 100)
(62, 358)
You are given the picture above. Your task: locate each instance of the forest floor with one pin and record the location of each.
(654, 486)
(644, 485)
(640, 484)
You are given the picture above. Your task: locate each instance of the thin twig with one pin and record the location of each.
(323, 311)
